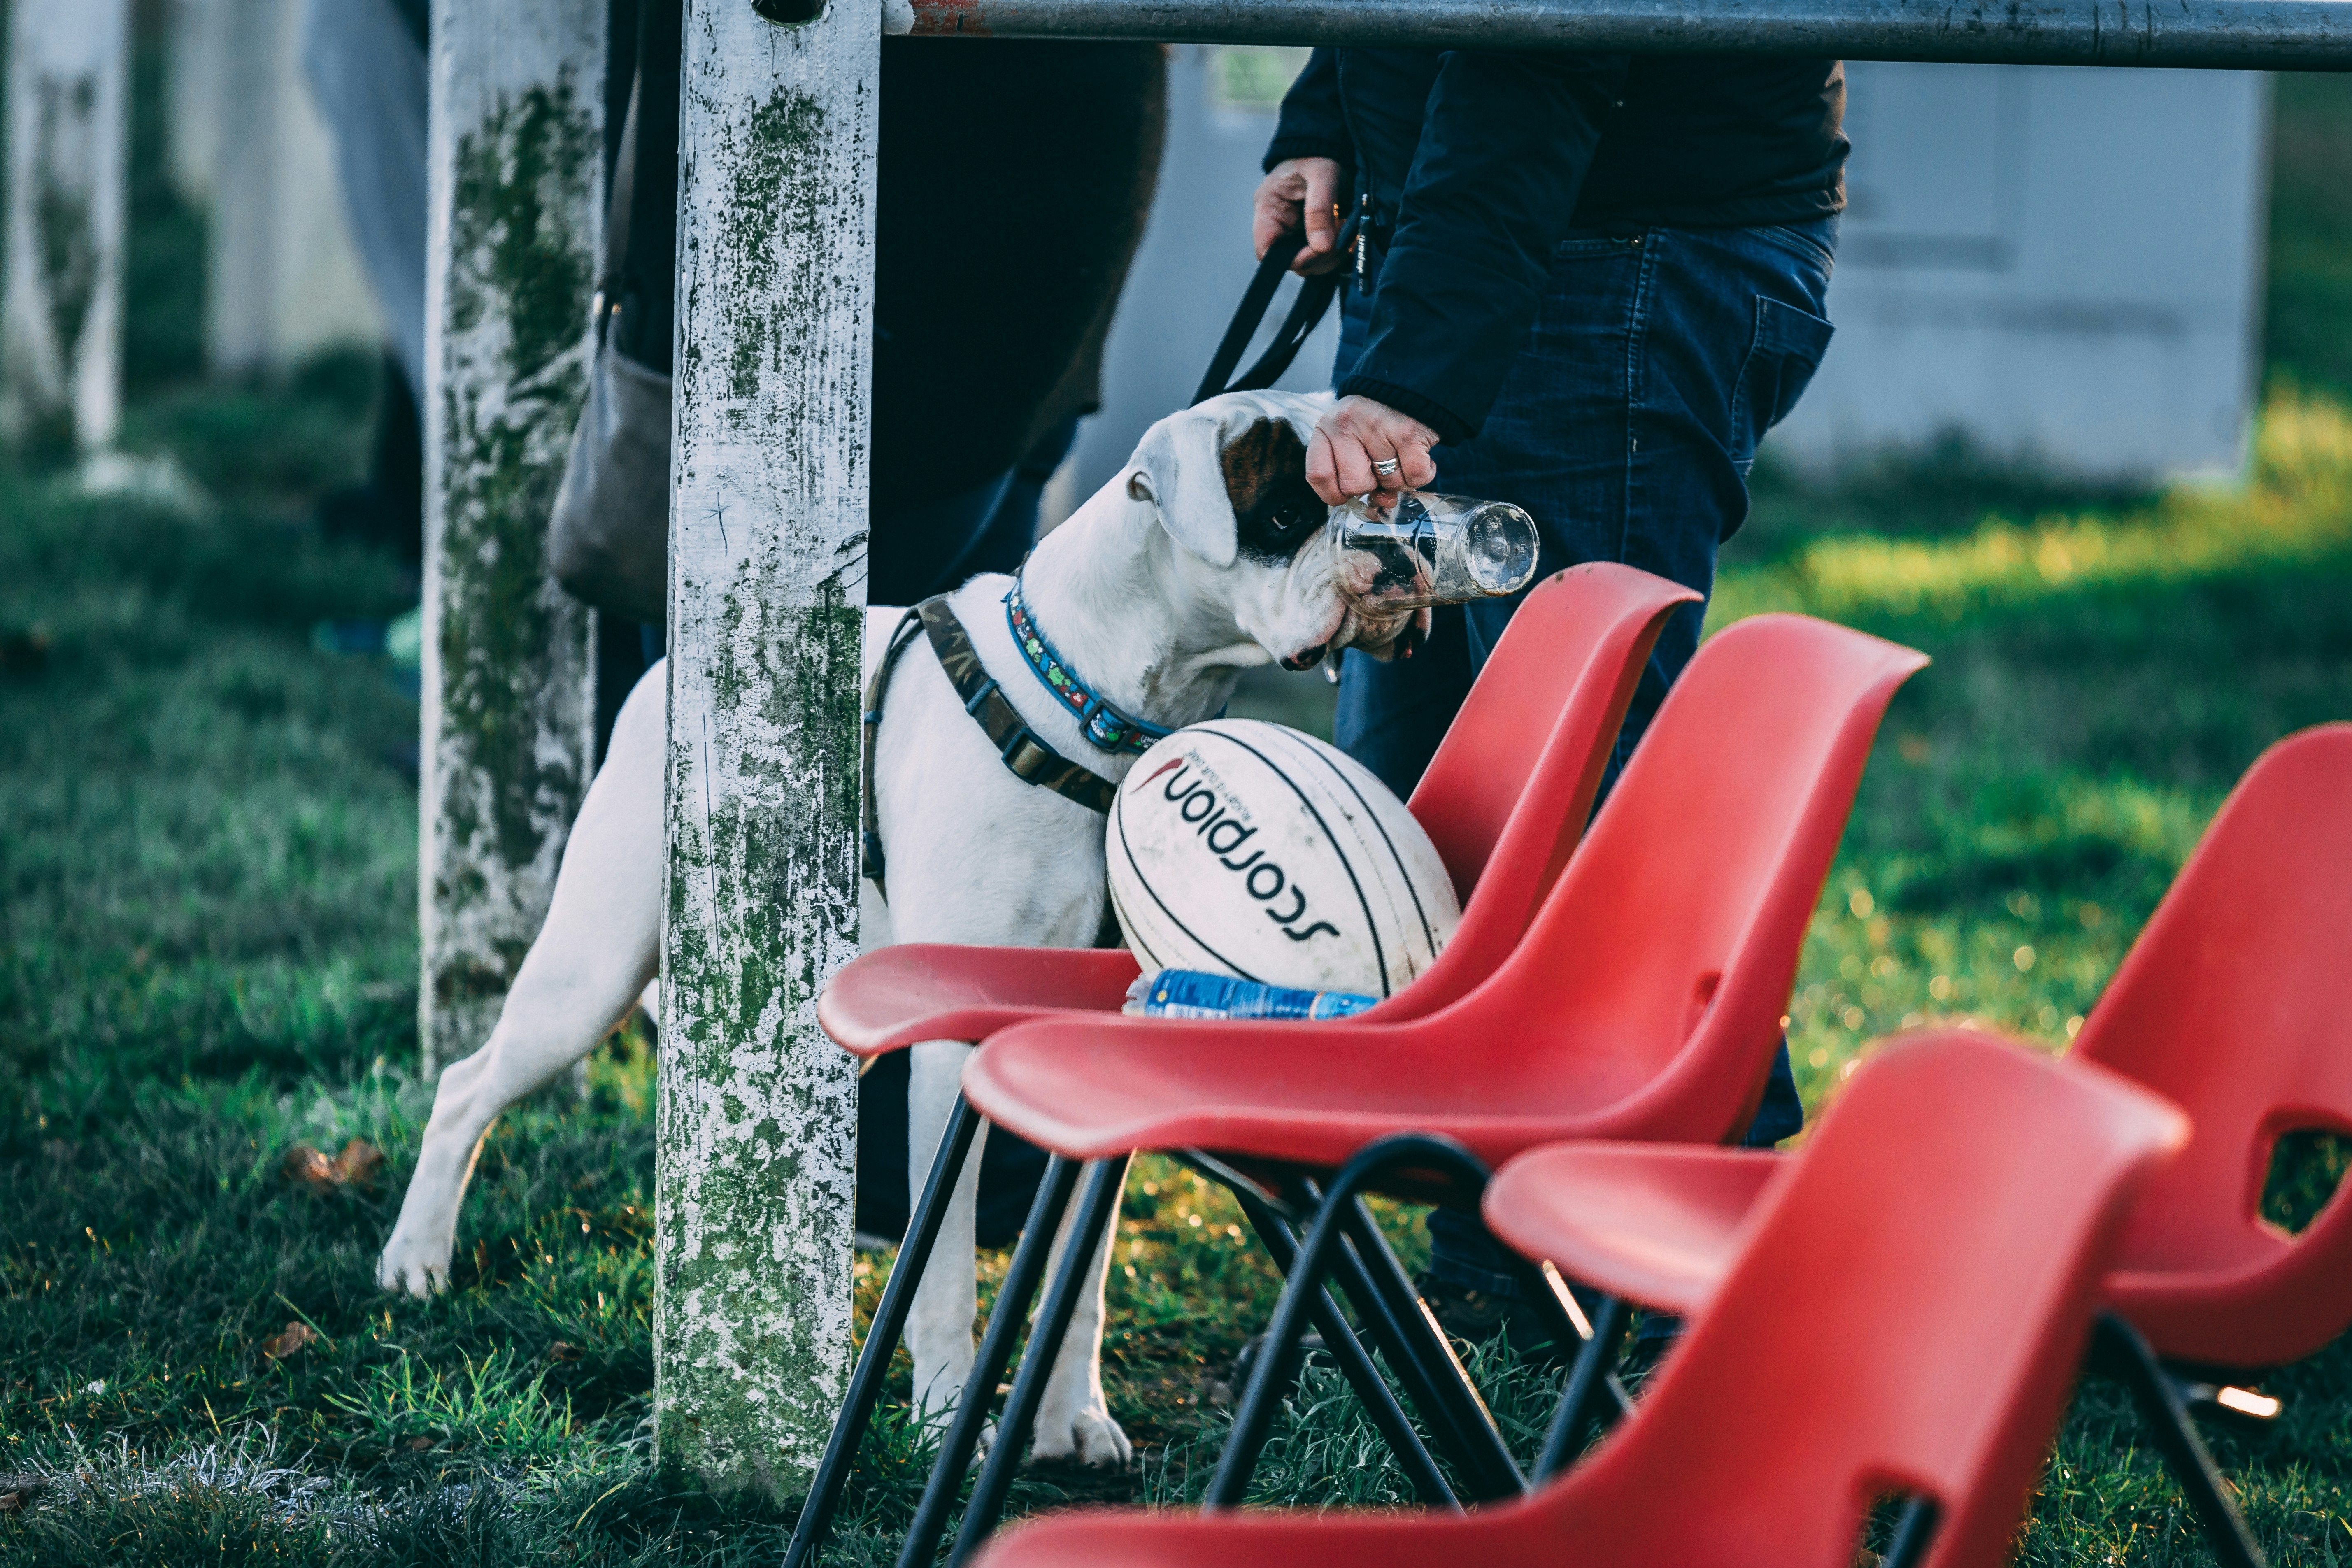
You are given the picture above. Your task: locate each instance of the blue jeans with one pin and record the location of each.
(1626, 428)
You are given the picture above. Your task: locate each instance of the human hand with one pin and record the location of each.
(1300, 193)
(1358, 433)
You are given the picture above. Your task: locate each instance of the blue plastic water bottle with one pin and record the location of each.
(1195, 994)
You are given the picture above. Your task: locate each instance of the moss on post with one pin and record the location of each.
(509, 672)
(757, 1146)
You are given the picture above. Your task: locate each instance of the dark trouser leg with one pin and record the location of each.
(926, 547)
(1626, 428)
(1392, 716)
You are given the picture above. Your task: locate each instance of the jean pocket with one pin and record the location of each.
(1805, 242)
(1783, 355)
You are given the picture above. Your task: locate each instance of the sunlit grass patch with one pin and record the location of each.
(2297, 510)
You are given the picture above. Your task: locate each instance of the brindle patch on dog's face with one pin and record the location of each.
(1275, 509)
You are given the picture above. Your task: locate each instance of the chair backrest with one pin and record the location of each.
(1667, 948)
(1905, 1314)
(2231, 1003)
(1506, 796)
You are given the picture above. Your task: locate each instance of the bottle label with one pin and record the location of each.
(1196, 993)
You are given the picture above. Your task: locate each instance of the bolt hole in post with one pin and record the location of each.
(788, 13)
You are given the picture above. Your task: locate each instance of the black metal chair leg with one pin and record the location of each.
(1355, 1363)
(1381, 1327)
(1098, 1207)
(1549, 1291)
(2118, 1350)
(1277, 1362)
(1405, 1344)
(1492, 1472)
(1914, 1533)
(882, 1337)
(1586, 1381)
(1004, 1326)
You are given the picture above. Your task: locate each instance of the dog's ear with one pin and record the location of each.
(1175, 466)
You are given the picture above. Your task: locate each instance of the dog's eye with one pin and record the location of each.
(1292, 520)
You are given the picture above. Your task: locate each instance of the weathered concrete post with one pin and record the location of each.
(756, 1126)
(68, 93)
(515, 181)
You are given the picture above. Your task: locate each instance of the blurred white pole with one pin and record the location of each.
(282, 279)
(516, 182)
(61, 317)
(756, 1141)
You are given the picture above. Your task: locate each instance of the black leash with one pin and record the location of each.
(1029, 758)
(1315, 296)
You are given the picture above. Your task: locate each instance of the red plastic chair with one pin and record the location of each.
(2230, 1002)
(1505, 800)
(1644, 1002)
(1509, 788)
(2227, 1003)
(1950, 1219)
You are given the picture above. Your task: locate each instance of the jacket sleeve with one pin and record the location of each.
(1505, 143)
(1311, 125)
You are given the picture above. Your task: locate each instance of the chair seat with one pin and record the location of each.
(2246, 1310)
(1655, 1224)
(1658, 1225)
(1306, 1094)
(894, 996)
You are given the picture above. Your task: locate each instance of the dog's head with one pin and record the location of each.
(1227, 480)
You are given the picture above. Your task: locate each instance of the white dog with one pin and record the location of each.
(1207, 554)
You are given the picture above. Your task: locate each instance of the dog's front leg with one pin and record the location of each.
(1074, 1420)
(939, 1323)
(599, 948)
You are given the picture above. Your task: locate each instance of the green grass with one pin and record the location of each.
(207, 898)
(2309, 329)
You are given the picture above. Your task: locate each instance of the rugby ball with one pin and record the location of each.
(1249, 848)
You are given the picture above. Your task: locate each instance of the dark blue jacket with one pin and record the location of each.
(1475, 166)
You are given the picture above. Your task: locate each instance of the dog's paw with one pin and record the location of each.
(1090, 1437)
(412, 1268)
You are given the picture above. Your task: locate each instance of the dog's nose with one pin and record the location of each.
(1306, 658)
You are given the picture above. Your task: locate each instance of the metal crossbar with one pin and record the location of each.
(2229, 35)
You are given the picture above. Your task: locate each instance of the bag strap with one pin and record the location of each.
(1315, 296)
(613, 252)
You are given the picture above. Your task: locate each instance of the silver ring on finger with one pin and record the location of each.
(1385, 466)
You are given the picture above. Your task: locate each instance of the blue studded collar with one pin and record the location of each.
(1105, 727)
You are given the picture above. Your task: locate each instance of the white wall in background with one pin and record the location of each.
(283, 279)
(1195, 260)
(2063, 265)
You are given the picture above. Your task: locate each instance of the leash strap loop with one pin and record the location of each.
(1315, 296)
